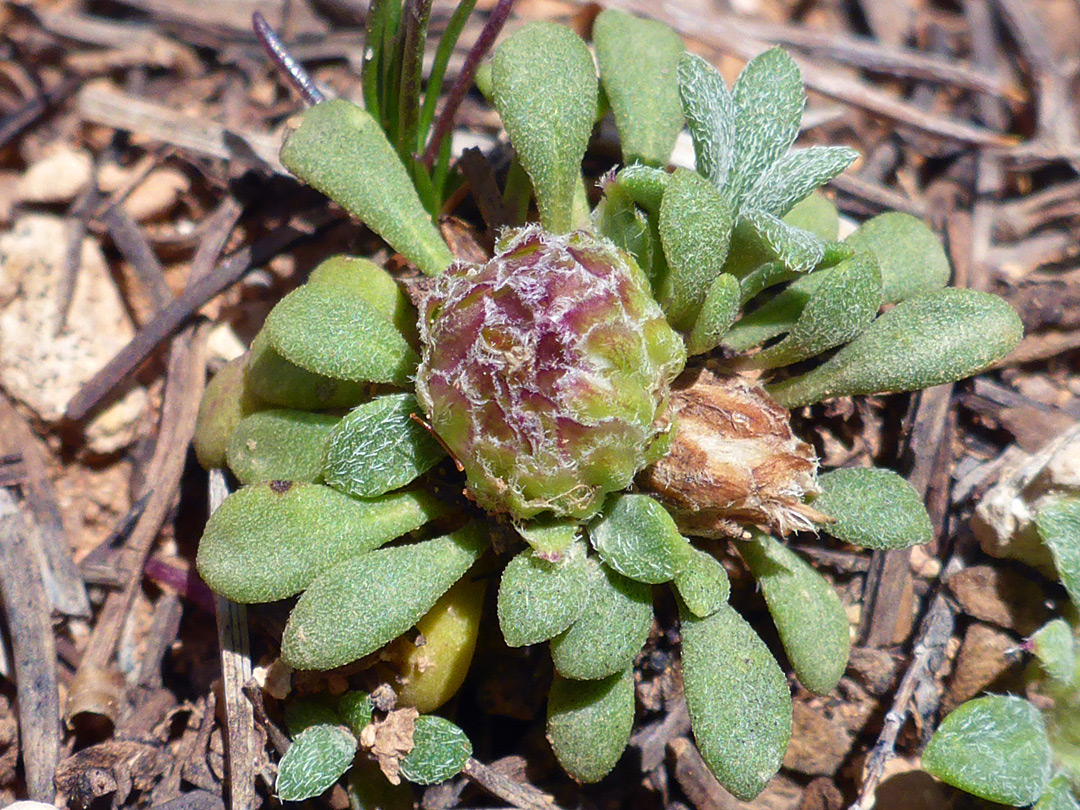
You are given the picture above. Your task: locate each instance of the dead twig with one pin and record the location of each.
(183, 390)
(63, 584)
(524, 797)
(235, 673)
(927, 659)
(27, 612)
(188, 132)
(195, 295)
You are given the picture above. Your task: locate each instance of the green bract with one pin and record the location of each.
(554, 375)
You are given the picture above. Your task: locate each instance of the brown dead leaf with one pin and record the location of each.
(390, 739)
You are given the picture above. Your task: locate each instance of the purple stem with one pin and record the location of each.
(186, 583)
(464, 80)
(292, 70)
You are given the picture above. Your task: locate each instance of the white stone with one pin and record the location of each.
(57, 177)
(40, 366)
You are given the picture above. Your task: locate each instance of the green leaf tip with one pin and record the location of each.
(738, 698)
(269, 541)
(873, 508)
(279, 445)
(809, 616)
(379, 447)
(440, 751)
(637, 60)
(695, 230)
(317, 758)
(538, 598)
(935, 338)
(382, 594)
(545, 66)
(710, 116)
(994, 747)
(1058, 524)
(611, 630)
(910, 255)
(589, 723)
(769, 101)
(342, 151)
(637, 537)
(340, 335)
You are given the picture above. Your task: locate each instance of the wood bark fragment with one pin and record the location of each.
(696, 780)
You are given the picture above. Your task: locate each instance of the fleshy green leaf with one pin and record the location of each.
(717, 314)
(994, 747)
(617, 218)
(637, 60)
(808, 614)
(818, 215)
(637, 537)
(317, 758)
(550, 538)
(539, 599)
(546, 67)
(378, 447)
(375, 285)
(932, 339)
(611, 629)
(776, 316)
(910, 255)
(710, 117)
(645, 185)
(841, 306)
(440, 750)
(775, 240)
(359, 605)
(276, 381)
(339, 334)
(703, 585)
(695, 229)
(1058, 796)
(1054, 646)
(301, 714)
(269, 541)
(1058, 523)
(342, 151)
(369, 789)
(589, 723)
(279, 445)
(356, 709)
(740, 707)
(769, 101)
(795, 175)
(226, 400)
(873, 508)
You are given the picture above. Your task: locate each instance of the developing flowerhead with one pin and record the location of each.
(546, 371)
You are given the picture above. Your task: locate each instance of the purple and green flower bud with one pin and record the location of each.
(546, 371)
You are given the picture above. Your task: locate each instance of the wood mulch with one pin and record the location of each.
(146, 227)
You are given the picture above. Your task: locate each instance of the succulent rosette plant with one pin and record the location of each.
(555, 375)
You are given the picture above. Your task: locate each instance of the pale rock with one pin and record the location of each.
(57, 177)
(1004, 521)
(158, 193)
(39, 366)
(223, 345)
(116, 426)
